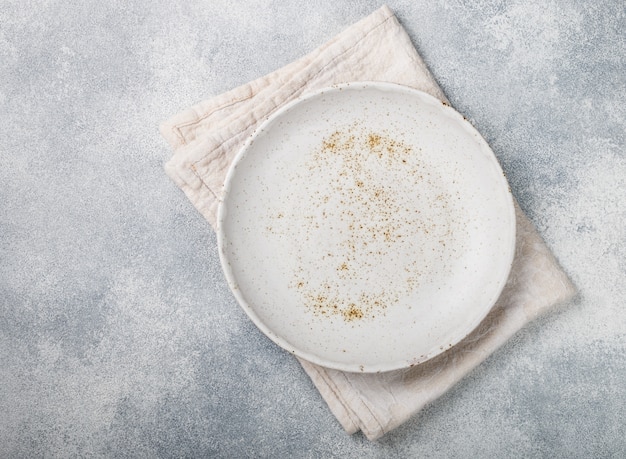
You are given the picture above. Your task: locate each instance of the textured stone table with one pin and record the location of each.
(119, 336)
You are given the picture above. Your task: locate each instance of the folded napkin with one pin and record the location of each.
(206, 137)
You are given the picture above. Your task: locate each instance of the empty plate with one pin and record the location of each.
(366, 227)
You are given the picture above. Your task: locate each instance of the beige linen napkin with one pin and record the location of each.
(206, 137)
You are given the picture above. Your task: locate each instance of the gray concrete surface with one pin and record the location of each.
(118, 334)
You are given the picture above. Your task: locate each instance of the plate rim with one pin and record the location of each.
(250, 312)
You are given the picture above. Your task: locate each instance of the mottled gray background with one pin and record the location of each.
(118, 334)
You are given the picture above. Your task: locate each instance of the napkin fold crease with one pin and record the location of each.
(206, 137)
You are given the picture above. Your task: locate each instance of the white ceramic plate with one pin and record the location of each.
(366, 227)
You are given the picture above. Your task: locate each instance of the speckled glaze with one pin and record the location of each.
(366, 227)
